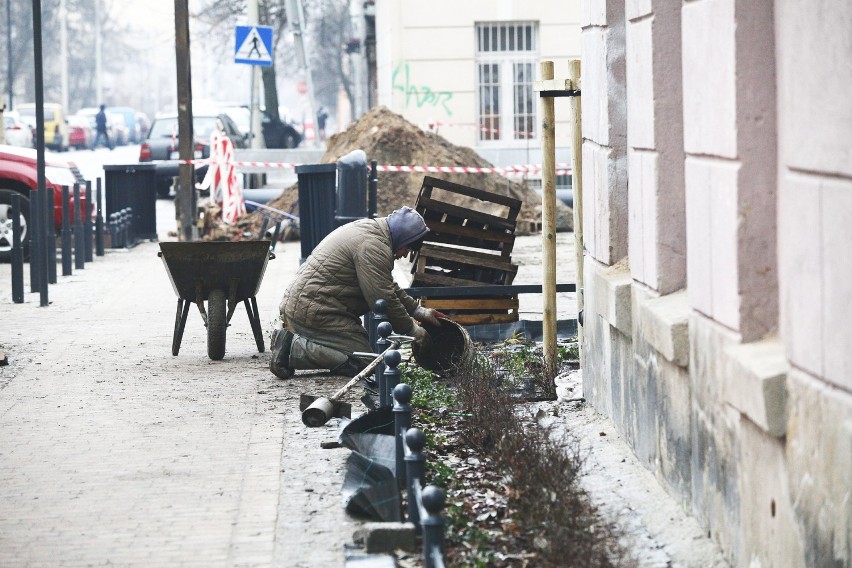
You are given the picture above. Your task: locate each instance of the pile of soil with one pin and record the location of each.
(391, 140)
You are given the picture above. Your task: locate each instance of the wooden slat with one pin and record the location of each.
(465, 256)
(441, 304)
(469, 232)
(423, 279)
(473, 319)
(426, 205)
(481, 194)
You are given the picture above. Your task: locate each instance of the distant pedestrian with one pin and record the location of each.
(322, 116)
(101, 126)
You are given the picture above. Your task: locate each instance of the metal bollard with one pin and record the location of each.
(415, 469)
(35, 242)
(87, 223)
(401, 424)
(131, 233)
(434, 500)
(113, 230)
(79, 237)
(51, 239)
(66, 233)
(372, 322)
(392, 373)
(99, 222)
(127, 227)
(384, 329)
(17, 252)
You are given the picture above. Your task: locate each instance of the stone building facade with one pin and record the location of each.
(717, 216)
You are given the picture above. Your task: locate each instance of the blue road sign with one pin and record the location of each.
(253, 45)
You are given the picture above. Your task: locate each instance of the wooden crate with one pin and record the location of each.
(469, 227)
(467, 247)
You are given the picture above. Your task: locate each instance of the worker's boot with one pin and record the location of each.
(279, 364)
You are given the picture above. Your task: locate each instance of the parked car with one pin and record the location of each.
(161, 145)
(120, 134)
(19, 174)
(128, 118)
(18, 131)
(276, 133)
(144, 123)
(80, 132)
(55, 124)
(279, 134)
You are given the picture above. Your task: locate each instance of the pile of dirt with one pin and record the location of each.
(391, 140)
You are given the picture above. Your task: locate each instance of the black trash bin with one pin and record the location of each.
(134, 186)
(351, 187)
(317, 188)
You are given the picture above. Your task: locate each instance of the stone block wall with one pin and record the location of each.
(718, 181)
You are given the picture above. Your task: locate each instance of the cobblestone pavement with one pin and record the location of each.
(112, 451)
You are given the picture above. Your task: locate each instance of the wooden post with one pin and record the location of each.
(548, 230)
(577, 186)
(186, 194)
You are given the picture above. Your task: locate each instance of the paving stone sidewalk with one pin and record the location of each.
(114, 452)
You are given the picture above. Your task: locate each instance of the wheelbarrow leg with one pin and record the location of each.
(180, 324)
(254, 319)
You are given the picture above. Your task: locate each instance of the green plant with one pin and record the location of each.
(427, 392)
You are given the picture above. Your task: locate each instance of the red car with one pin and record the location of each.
(19, 174)
(79, 132)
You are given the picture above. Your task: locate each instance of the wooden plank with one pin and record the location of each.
(466, 257)
(429, 205)
(425, 279)
(469, 232)
(474, 319)
(441, 304)
(481, 194)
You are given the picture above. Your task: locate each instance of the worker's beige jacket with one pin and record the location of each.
(342, 279)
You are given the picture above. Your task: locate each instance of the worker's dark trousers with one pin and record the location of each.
(326, 349)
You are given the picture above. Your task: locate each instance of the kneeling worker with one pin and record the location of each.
(340, 282)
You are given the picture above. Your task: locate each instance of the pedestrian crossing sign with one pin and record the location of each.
(253, 45)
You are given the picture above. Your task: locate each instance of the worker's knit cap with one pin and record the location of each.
(406, 227)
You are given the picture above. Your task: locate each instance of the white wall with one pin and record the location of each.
(426, 67)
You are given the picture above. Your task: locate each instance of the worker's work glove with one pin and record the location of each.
(419, 334)
(430, 315)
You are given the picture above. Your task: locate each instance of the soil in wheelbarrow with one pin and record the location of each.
(391, 140)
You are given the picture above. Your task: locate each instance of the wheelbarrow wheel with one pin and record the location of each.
(217, 324)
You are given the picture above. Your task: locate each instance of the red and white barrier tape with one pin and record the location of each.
(562, 168)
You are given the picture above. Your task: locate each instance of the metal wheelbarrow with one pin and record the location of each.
(222, 274)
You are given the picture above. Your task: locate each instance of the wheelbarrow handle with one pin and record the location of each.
(367, 370)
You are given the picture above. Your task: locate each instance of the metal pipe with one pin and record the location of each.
(41, 196)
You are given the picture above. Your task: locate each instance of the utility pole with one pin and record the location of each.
(256, 127)
(63, 54)
(295, 17)
(186, 194)
(9, 52)
(99, 83)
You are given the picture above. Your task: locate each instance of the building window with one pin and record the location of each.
(505, 55)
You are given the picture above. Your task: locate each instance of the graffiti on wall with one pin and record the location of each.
(419, 95)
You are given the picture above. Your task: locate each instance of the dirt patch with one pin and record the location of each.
(391, 140)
